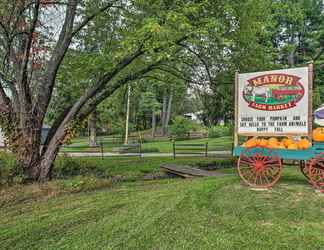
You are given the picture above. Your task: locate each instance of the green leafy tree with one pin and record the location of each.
(143, 35)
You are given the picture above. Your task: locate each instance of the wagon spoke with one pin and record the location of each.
(243, 168)
(271, 162)
(266, 177)
(246, 161)
(321, 164)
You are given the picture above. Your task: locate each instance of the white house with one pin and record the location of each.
(194, 116)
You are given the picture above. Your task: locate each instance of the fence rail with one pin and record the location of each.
(190, 148)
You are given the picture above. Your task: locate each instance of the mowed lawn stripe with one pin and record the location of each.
(210, 213)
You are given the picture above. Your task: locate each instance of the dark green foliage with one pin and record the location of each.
(84, 183)
(219, 131)
(181, 127)
(67, 166)
(150, 150)
(10, 172)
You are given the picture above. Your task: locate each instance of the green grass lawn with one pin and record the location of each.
(164, 146)
(205, 213)
(134, 168)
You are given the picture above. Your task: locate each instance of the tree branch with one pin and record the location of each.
(319, 54)
(46, 88)
(65, 38)
(89, 18)
(25, 96)
(111, 89)
(201, 59)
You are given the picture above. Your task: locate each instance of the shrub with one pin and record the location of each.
(219, 131)
(150, 150)
(181, 126)
(10, 171)
(84, 183)
(68, 166)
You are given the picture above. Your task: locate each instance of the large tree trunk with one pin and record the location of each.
(36, 165)
(92, 127)
(153, 123)
(163, 113)
(26, 143)
(47, 162)
(168, 116)
(50, 152)
(291, 59)
(127, 115)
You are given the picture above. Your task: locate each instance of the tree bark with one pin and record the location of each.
(163, 113)
(153, 123)
(92, 127)
(127, 115)
(28, 150)
(291, 59)
(168, 115)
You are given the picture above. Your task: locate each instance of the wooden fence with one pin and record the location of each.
(190, 148)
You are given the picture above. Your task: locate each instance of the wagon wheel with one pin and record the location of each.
(304, 166)
(316, 171)
(259, 167)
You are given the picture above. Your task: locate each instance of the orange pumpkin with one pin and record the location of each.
(281, 145)
(273, 142)
(318, 134)
(251, 143)
(287, 142)
(293, 146)
(304, 144)
(263, 143)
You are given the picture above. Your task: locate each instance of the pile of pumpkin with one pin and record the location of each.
(318, 134)
(286, 143)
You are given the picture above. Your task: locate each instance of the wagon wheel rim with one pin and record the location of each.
(316, 172)
(304, 168)
(259, 167)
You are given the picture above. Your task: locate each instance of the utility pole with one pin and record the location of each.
(127, 114)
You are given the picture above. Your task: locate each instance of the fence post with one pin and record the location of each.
(140, 149)
(206, 149)
(174, 150)
(101, 149)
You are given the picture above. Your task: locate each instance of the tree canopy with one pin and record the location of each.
(61, 60)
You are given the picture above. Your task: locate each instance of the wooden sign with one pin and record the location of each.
(274, 102)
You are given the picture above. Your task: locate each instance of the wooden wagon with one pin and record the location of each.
(261, 166)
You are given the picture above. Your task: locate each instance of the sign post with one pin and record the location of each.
(236, 136)
(310, 99)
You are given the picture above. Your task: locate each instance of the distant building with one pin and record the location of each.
(45, 131)
(194, 116)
